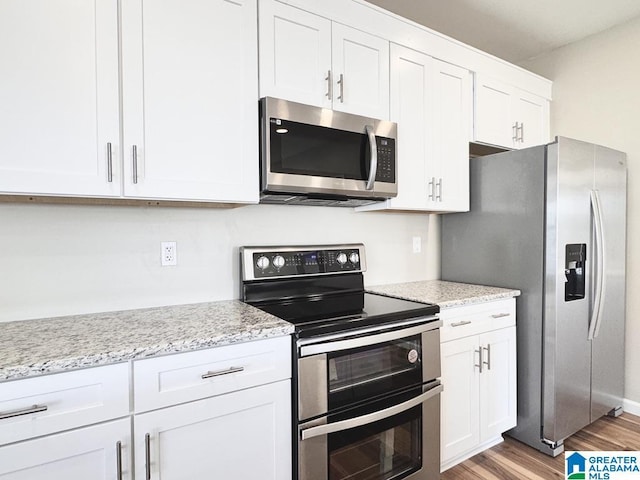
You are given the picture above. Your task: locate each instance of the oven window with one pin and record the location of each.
(385, 450)
(364, 373)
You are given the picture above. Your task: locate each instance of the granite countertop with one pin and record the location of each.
(445, 294)
(34, 347)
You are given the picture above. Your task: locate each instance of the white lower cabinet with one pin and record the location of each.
(242, 435)
(478, 353)
(99, 452)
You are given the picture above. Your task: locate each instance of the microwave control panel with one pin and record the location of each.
(386, 160)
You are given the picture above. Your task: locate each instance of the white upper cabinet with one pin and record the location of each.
(431, 103)
(360, 72)
(452, 107)
(190, 100)
(309, 59)
(507, 116)
(59, 117)
(295, 55)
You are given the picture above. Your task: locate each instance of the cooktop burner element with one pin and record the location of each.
(320, 289)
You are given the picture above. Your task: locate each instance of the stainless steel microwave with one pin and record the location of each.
(317, 156)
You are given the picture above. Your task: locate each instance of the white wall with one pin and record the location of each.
(68, 259)
(596, 94)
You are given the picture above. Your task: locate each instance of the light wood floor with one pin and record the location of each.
(512, 460)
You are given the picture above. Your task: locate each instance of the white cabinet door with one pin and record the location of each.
(360, 72)
(507, 116)
(89, 453)
(411, 104)
(295, 55)
(498, 382)
(460, 427)
(452, 102)
(493, 112)
(190, 99)
(533, 114)
(59, 97)
(241, 435)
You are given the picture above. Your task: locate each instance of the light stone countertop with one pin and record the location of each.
(34, 347)
(445, 294)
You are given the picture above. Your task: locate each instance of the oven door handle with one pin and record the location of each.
(373, 165)
(370, 417)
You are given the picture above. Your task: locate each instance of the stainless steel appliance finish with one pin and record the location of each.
(317, 156)
(366, 367)
(550, 220)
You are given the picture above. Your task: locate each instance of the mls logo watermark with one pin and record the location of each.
(602, 465)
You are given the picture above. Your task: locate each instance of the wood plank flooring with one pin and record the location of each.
(512, 460)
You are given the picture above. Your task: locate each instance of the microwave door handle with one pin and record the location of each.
(373, 166)
(370, 417)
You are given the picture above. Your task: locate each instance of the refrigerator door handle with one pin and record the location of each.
(600, 278)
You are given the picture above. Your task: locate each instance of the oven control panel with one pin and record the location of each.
(278, 262)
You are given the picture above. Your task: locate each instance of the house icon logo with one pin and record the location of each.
(576, 466)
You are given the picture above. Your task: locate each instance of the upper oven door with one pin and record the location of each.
(341, 372)
(308, 149)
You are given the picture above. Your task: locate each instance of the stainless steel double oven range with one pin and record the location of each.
(366, 367)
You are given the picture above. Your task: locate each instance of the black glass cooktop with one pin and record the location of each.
(322, 314)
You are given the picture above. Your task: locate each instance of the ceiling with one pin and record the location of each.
(516, 30)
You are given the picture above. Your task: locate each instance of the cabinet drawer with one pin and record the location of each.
(174, 379)
(475, 319)
(62, 401)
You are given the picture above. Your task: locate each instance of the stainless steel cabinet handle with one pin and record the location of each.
(135, 164)
(500, 315)
(341, 83)
(119, 460)
(373, 165)
(23, 411)
(109, 163)
(439, 185)
(432, 188)
(521, 133)
(460, 323)
(488, 362)
(479, 364)
(219, 373)
(514, 132)
(147, 456)
(370, 417)
(329, 80)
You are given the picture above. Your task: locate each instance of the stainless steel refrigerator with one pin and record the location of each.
(550, 221)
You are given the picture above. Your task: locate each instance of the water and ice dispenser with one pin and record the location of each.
(574, 269)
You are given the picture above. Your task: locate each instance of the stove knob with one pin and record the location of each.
(278, 261)
(342, 258)
(263, 263)
(354, 257)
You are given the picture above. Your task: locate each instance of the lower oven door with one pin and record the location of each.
(393, 438)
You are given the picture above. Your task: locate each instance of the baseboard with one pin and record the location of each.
(630, 406)
(478, 449)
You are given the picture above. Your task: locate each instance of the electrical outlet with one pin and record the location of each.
(417, 244)
(168, 254)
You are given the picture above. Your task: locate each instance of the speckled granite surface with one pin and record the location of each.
(51, 345)
(445, 294)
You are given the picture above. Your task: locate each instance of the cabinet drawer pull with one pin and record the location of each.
(109, 163)
(514, 130)
(23, 411)
(135, 164)
(329, 80)
(439, 195)
(147, 456)
(119, 460)
(500, 315)
(488, 362)
(219, 373)
(341, 83)
(480, 361)
(460, 323)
